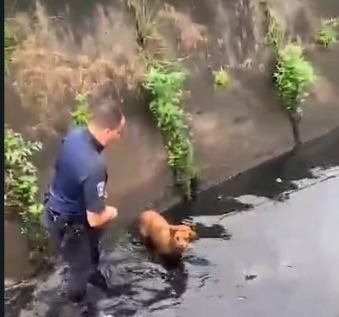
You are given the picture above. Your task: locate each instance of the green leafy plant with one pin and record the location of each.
(328, 33)
(21, 186)
(166, 87)
(221, 78)
(81, 115)
(294, 76)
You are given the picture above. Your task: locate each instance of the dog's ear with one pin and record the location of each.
(173, 230)
(193, 234)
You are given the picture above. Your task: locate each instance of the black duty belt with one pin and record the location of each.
(70, 220)
(71, 225)
(56, 215)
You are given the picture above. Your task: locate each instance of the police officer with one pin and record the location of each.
(75, 209)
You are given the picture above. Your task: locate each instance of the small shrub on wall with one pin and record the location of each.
(81, 115)
(294, 77)
(327, 34)
(166, 87)
(21, 186)
(221, 78)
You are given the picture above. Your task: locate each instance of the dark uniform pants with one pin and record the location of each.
(79, 247)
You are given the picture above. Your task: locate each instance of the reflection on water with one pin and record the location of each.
(284, 244)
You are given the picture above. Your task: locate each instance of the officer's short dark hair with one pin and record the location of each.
(106, 113)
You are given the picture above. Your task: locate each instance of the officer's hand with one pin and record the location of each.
(105, 195)
(113, 212)
(100, 219)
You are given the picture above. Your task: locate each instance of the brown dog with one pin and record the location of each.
(166, 238)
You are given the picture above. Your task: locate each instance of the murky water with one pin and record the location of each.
(266, 248)
(18, 254)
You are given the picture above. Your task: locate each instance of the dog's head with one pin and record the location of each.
(181, 236)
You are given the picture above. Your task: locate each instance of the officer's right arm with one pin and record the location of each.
(97, 213)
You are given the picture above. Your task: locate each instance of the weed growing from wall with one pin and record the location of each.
(328, 33)
(166, 87)
(294, 77)
(221, 78)
(81, 115)
(21, 187)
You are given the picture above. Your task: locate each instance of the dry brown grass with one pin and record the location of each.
(191, 36)
(48, 69)
(163, 29)
(46, 78)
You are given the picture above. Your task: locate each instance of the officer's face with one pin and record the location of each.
(115, 134)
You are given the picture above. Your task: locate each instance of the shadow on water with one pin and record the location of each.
(273, 180)
(146, 288)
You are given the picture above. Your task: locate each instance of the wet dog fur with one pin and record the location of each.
(169, 241)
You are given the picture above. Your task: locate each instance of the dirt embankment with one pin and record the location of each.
(234, 128)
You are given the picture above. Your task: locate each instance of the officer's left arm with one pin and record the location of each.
(94, 191)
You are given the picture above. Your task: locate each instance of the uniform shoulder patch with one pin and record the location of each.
(101, 189)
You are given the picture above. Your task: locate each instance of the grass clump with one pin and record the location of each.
(166, 87)
(144, 20)
(276, 32)
(294, 76)
(156, 24)
(328, 33)
(276, 28)
(48, 72)
(10, 43)
(191, 36)
(81, 115)
(221, 78)
(21, 187)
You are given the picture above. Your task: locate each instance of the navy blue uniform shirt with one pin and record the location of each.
(80, 178)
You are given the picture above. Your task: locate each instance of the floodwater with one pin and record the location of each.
(268, 247)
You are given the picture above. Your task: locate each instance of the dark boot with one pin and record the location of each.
(98, 280)
(76, 298)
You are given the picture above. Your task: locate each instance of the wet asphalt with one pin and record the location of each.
(268, 247)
